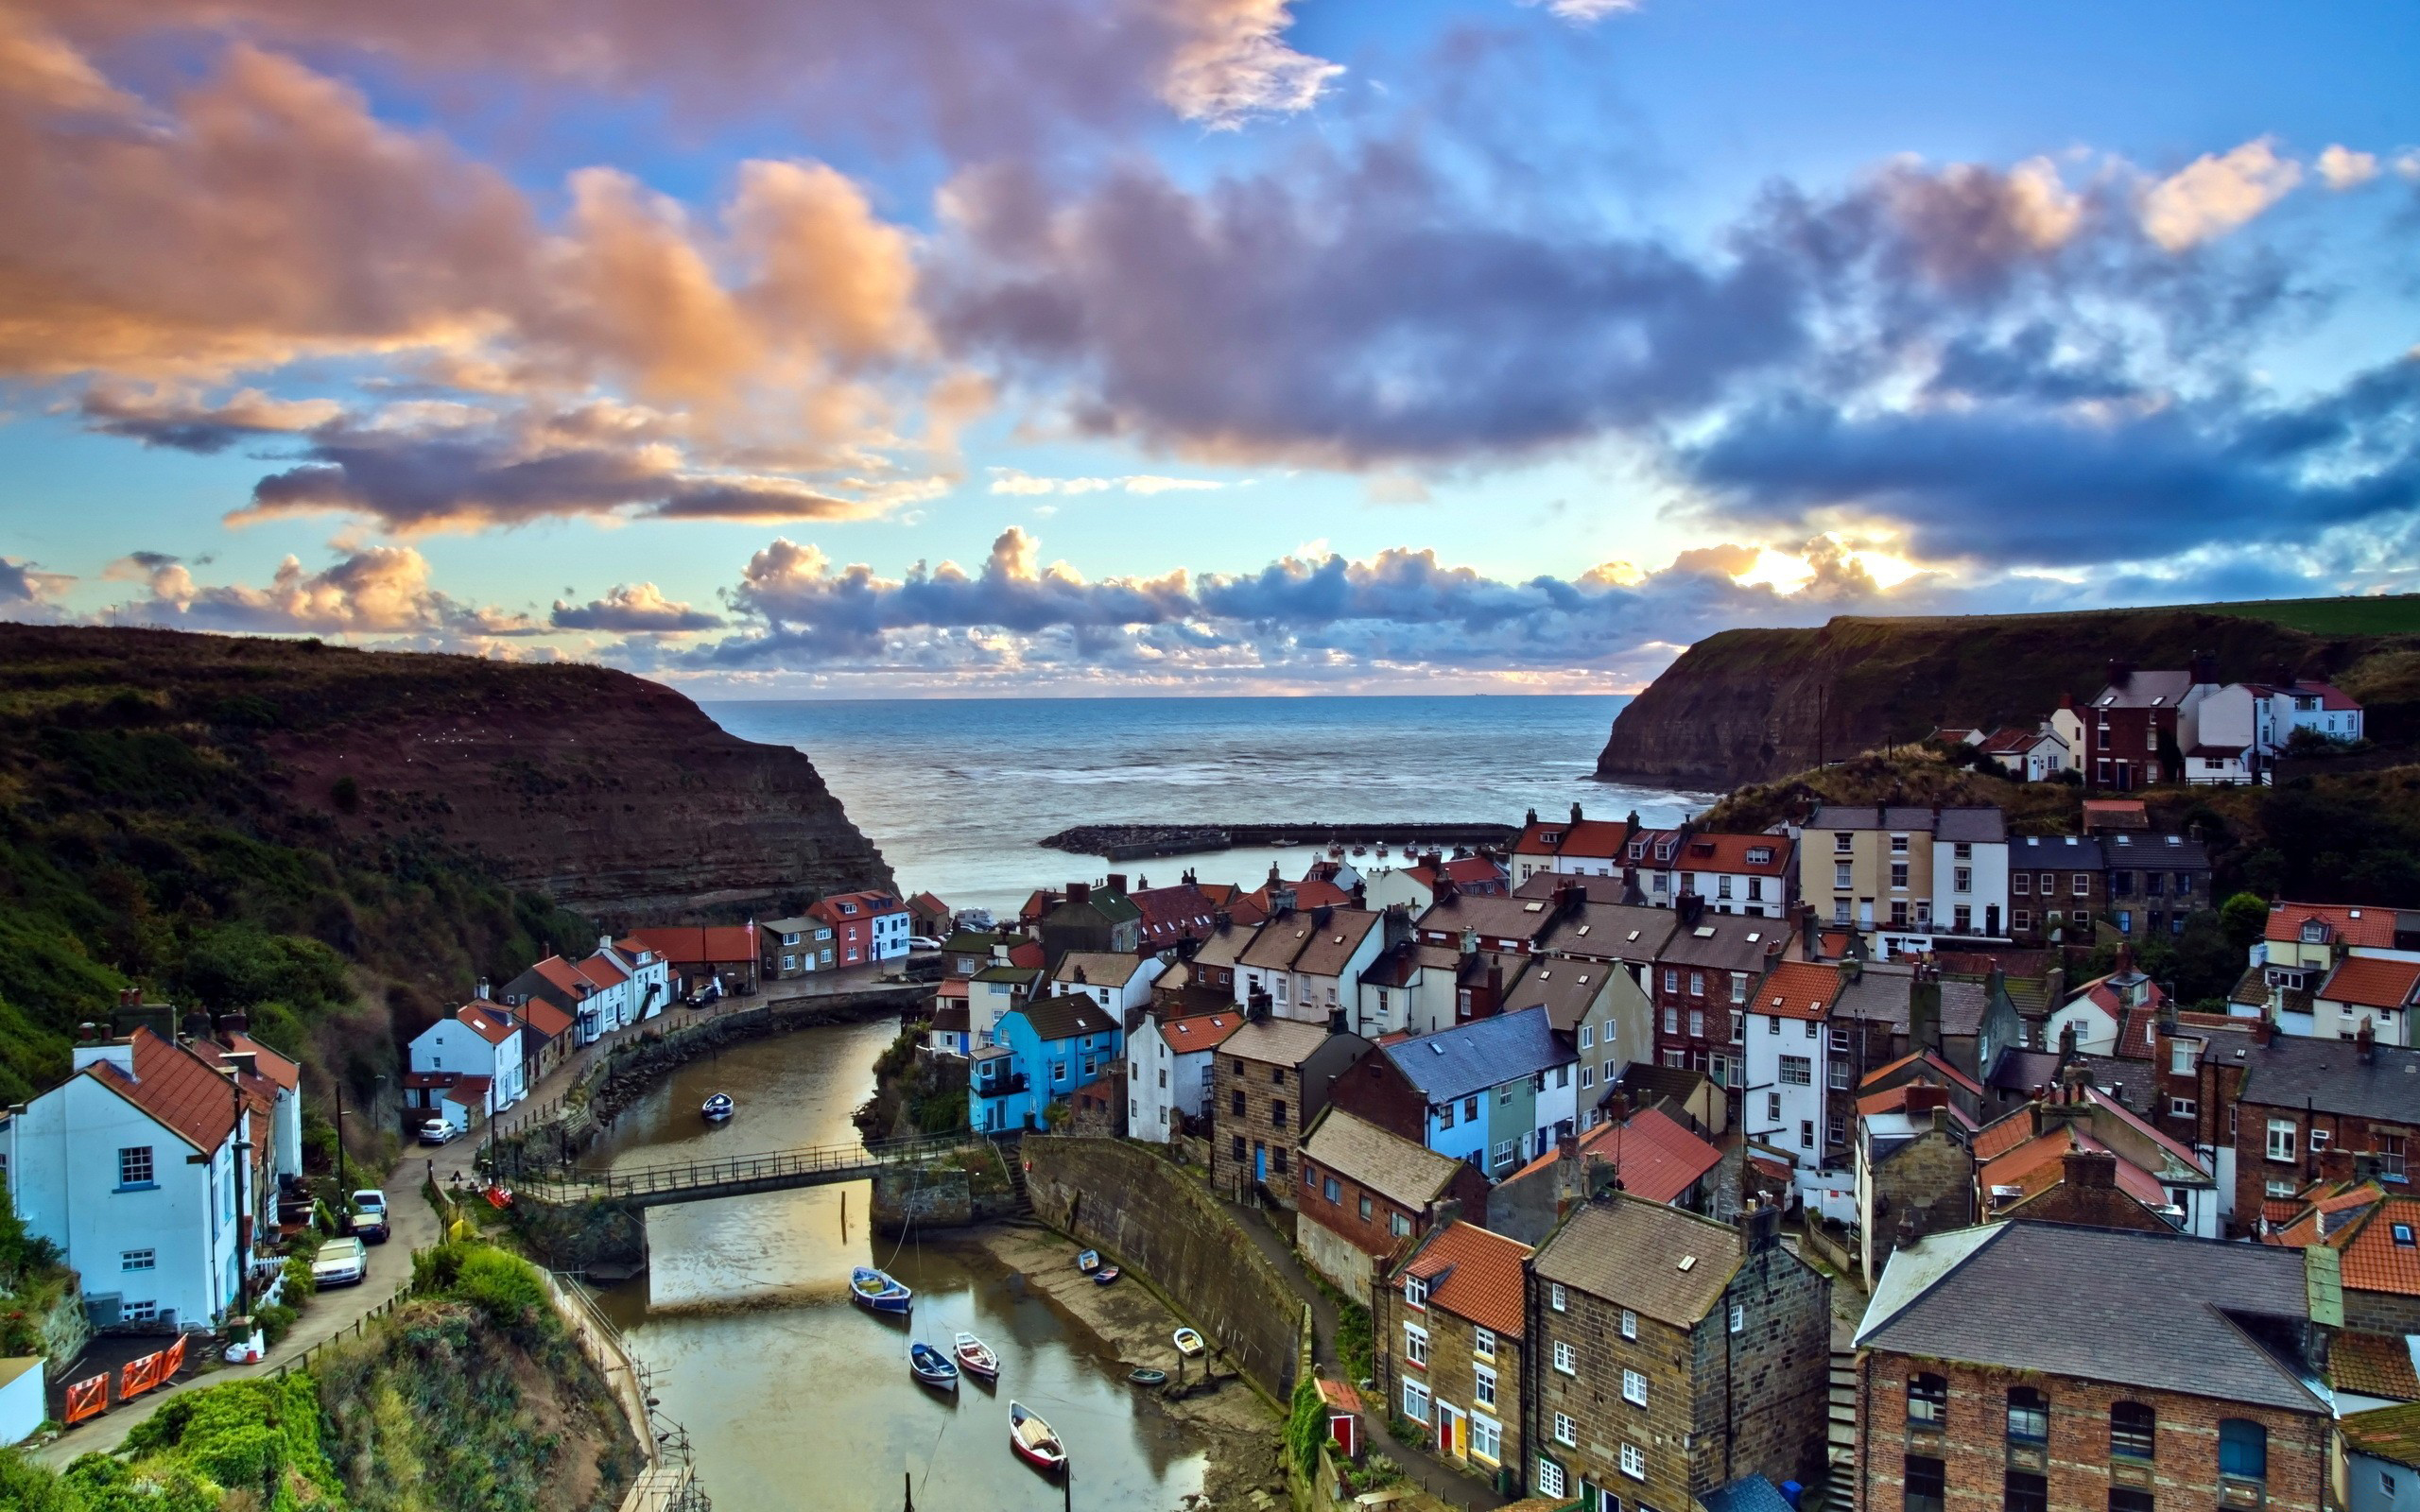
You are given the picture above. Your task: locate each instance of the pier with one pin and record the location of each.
(1128, 842)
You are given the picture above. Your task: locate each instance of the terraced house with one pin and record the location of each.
(1670, 1354)
(1494, 1091)
(1448, 1334)
(1270, 1080)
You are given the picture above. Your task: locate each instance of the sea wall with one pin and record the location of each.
(1158, 1221)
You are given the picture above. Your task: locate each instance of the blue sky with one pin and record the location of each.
(862, 347)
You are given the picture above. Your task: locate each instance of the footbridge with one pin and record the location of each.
(739, 1176)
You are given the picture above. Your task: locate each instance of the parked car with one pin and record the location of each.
(923, 942)
(438, 1131)
(339, 1262)
(370, 1214)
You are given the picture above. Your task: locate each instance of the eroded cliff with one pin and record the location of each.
(1747, 706)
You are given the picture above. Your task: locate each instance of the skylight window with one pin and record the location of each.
(2403, 1234)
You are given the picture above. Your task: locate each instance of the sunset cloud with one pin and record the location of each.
(2217, 193)
(633, 608)
(379, 591)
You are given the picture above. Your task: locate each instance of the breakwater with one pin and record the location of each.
(1128, 842)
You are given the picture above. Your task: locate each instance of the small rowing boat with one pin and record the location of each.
(1088, 1262)
(718, 1108)
(875, 1290)
(976, 1358)
(1189, 1344)
(1104, 1276)
(1144, 1375)
(931, 1366)
(1034, 1441)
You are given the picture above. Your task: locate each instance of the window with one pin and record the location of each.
(1738, 1318)
(1587, 1037)
(2081, 885)
(1634, 1388)
(2029, 1417)
(1398, 1224)
(1844, 876)
(1504, 1154)
(1587, 1077)
(1806, 1133)
(1634, 1462)
(1929, 1400)
(1416, 1402)
(1772, 1105)
(1550, 1482)
(1898, 845)
(1697, 984)
(2132, 1431)
(2127, 1498)
(1487, 1439)
(1842, 842)
(2389, 1149)
(1235, 1103)
(1365, 1207)
(1238, 1150)
(1415, 1345)
(139, 1259)
(1739, 1028)
(1470, 1110)
(1565, 1431)
(2021, 918)
(1797, 1070)
(1630, 1324)
(1566, 1358)
(2024, 1492)
(1899, 876)
(2182, 1108)
(1555, 1296)
(1697, 1023)
(134, 1166)
(1483, 1345)
(1277, 1114)
(1328, 1188)
(1839, 1075)
(2281, 1139)
(1927, 1482)
(1504, 1095)
(2244, 1448)
(2022, 885)
(1445, 1115)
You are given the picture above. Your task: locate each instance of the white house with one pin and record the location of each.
(1748, 874)
(1970, 873)
(1414, 885)
(1789, 1103)
(1581, 847)
(1116, 982)
(478, 1041)
(2238, 729)
(130, 1167)
(2122, 1005)
(1168, 1070)
(281, 1080)
(2028, 755)
(1310, 962)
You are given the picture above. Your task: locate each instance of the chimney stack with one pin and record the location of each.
(1924, 1010)
(2264, 1031)
(1079, 892)
(2120, 671)
(2090, 1170)
(1117, 882)
(1691, 907)
(2365, 1042)
(1575, 813)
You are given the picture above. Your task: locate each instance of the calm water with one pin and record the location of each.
(797, 1399)
(957, 792)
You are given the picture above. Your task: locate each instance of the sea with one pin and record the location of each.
(957, 792)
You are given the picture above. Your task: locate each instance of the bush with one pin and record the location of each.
(505, 1287)
(1306, 1426)
(300, 1285)
(275, 1320)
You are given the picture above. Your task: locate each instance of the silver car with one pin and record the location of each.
(339, 1262)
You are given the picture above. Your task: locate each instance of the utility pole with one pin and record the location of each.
(342, 1185)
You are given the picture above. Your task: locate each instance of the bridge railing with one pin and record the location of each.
(801, 1165)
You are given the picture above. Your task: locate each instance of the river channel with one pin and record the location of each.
(796, 1400)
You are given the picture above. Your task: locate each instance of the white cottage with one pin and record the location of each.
(1168, 1070)
(478, 1041)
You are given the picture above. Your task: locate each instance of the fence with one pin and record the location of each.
(669, 1483)
(302, 1361)
(800, 1165)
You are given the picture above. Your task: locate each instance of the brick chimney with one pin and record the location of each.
(2089, 1170)
(1691, 907)
(1924, 1010)
(2264, 1031)
(2118, 672)
(1079, 892)
(1575, 813)
(2335, 1164)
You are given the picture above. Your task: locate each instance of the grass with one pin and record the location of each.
(2374, 615)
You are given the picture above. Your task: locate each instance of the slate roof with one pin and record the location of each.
(1065, 1018)
(2055, 852)
(1101, 968)
(1612, 931)
(1978, 826)
(1463, 1059)
(1880, 996)
(1012, 975)
(1918, 1060)
(1332, 945)
(1410, 1175)
(1629, 1253)
(1749, 1493)
(2153, 853)
(2330, 1075)
(798, 926)
(2155, 1316)
(2019, 1069)
(1493, 915)
(1473, 1273)
(1725, 942)
(2157, 689)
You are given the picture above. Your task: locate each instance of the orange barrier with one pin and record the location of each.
(172, 1360)
(88, 1397)
(141, 1375)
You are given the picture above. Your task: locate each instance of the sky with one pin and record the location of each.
(909, 348)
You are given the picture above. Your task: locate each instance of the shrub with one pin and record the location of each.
(1306, 1426)
(275, 1320)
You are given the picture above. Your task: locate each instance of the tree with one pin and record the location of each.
(2243, 919)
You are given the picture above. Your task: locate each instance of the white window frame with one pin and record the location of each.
(1635, 1387)
(1566, 1359)
(1630, 1324)
(1634, 1462)
(1555, 1296)
(1550, 1481)
(1416, 1402)
(1482, 1386)
(1415, 1346)
(1566, 1430)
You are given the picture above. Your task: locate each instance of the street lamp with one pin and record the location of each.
(344, 1186)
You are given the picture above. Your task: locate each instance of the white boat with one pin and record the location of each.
(718, 1108)
(1188, 1343)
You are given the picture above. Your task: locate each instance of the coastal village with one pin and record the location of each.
(1897, 1155)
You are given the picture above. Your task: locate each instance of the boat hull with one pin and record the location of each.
(1040, 1447)
(879, 1292)
(976, 1358)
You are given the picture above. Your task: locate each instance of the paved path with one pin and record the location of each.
(1450, 1486)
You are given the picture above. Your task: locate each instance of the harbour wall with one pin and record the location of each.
(1127, 842)
(1156, 1220)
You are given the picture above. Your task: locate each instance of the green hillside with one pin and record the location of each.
(2395, 615)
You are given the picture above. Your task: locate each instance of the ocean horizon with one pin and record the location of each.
(957, 792)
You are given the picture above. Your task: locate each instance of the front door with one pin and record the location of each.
(1259, 1162)
(1453, 1439)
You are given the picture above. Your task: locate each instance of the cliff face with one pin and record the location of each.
(1748, 706)
(617, 796)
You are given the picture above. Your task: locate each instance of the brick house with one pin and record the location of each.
(1270, 1080)
(1368, 1194)
(2170, 1374)
(1704, 979)
(2301, 1099)
(1447, 1332)
(1670, 1354)
(2376, 1235)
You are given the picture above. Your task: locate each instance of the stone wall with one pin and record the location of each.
(65, 1329)
(1157, 1221)
(941, 1199)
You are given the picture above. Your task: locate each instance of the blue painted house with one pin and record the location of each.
(1042, 1050)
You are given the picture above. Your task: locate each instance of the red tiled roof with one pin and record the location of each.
(1596, 839)
(681, 944)
(2011, 741)
(2124, 811)
(1475, 1274)
(177, 1087)
(1895, 1100)
(1797, 989)
(543, 1019)
(273, 1065)
(471, 1091)
(1199, 1031)
(564, 977)
(1028, 954)
(1180, 912)
(1340, 1395)
(2004, 1134)
(931, 904)
(869, 905)
(2040, 1163)
(2348, 926)
(489, 1021)
(1729, 852)
(2371, 982)
(603, 971)
(2331, 697)
(2374, 1365)
(951, 987)
(2373, 1259)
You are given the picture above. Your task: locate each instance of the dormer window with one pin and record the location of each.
(2314, 931)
